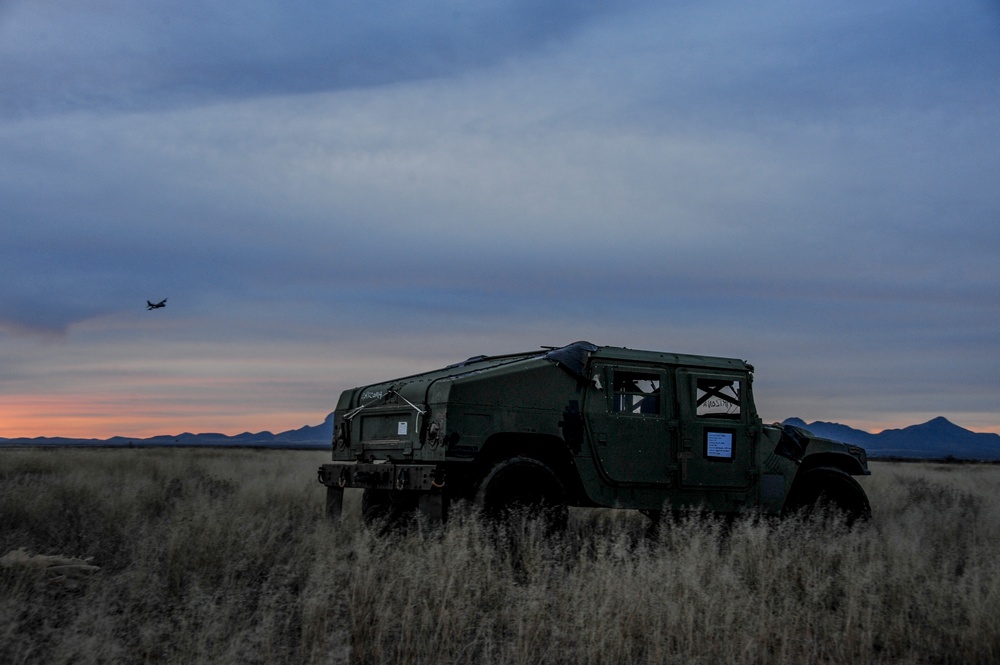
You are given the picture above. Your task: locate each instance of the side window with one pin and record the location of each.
(718, 398)
(636, 392)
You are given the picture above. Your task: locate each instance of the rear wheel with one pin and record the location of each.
(523, 487)
(828, 489)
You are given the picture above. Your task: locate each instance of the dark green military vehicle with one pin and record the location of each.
(581, 425)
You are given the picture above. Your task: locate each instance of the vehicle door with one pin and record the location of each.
(628, 413)
(716, 446)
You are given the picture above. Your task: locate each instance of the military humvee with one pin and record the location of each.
(581, 425)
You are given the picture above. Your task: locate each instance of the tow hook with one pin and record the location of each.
(402, 479)
(437, 481)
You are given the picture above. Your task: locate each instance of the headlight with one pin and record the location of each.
(434, 434)
(340, 437)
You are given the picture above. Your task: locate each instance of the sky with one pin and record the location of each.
(333, 194)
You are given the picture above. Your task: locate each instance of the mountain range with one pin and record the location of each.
(936, 439)
(308, 437)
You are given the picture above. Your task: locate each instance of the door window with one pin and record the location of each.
(637, 392)
(718, 398)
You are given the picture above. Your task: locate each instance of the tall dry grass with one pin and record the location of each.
(212, 556)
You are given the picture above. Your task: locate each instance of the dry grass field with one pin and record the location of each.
(223, 556)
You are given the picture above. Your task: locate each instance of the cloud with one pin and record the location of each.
(390, 184)
(116, 55)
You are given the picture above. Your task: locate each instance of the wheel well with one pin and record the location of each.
(520, 487)
(842, 461)
(549, 450)
(833, 483)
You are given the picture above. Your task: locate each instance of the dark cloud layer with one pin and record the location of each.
(65, 56)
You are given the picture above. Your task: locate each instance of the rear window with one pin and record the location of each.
(718, 398)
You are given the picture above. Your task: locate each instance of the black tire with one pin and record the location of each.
(386, 507)
(830, 489)
(523, 486)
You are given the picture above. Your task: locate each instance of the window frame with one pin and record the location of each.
(652, 374)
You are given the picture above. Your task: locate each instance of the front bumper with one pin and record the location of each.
(384, 476)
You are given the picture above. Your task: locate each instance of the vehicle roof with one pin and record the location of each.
(574, 358)
(640, 356)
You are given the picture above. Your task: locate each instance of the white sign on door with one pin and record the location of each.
(719, 444)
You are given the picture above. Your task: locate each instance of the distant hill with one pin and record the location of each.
(308, 437)
(936, 439)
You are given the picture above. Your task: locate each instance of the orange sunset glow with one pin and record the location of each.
(89, 417)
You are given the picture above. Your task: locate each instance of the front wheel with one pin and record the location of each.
(830, 489)
(523, 486)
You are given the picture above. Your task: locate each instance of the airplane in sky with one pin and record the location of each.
(158, 305)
